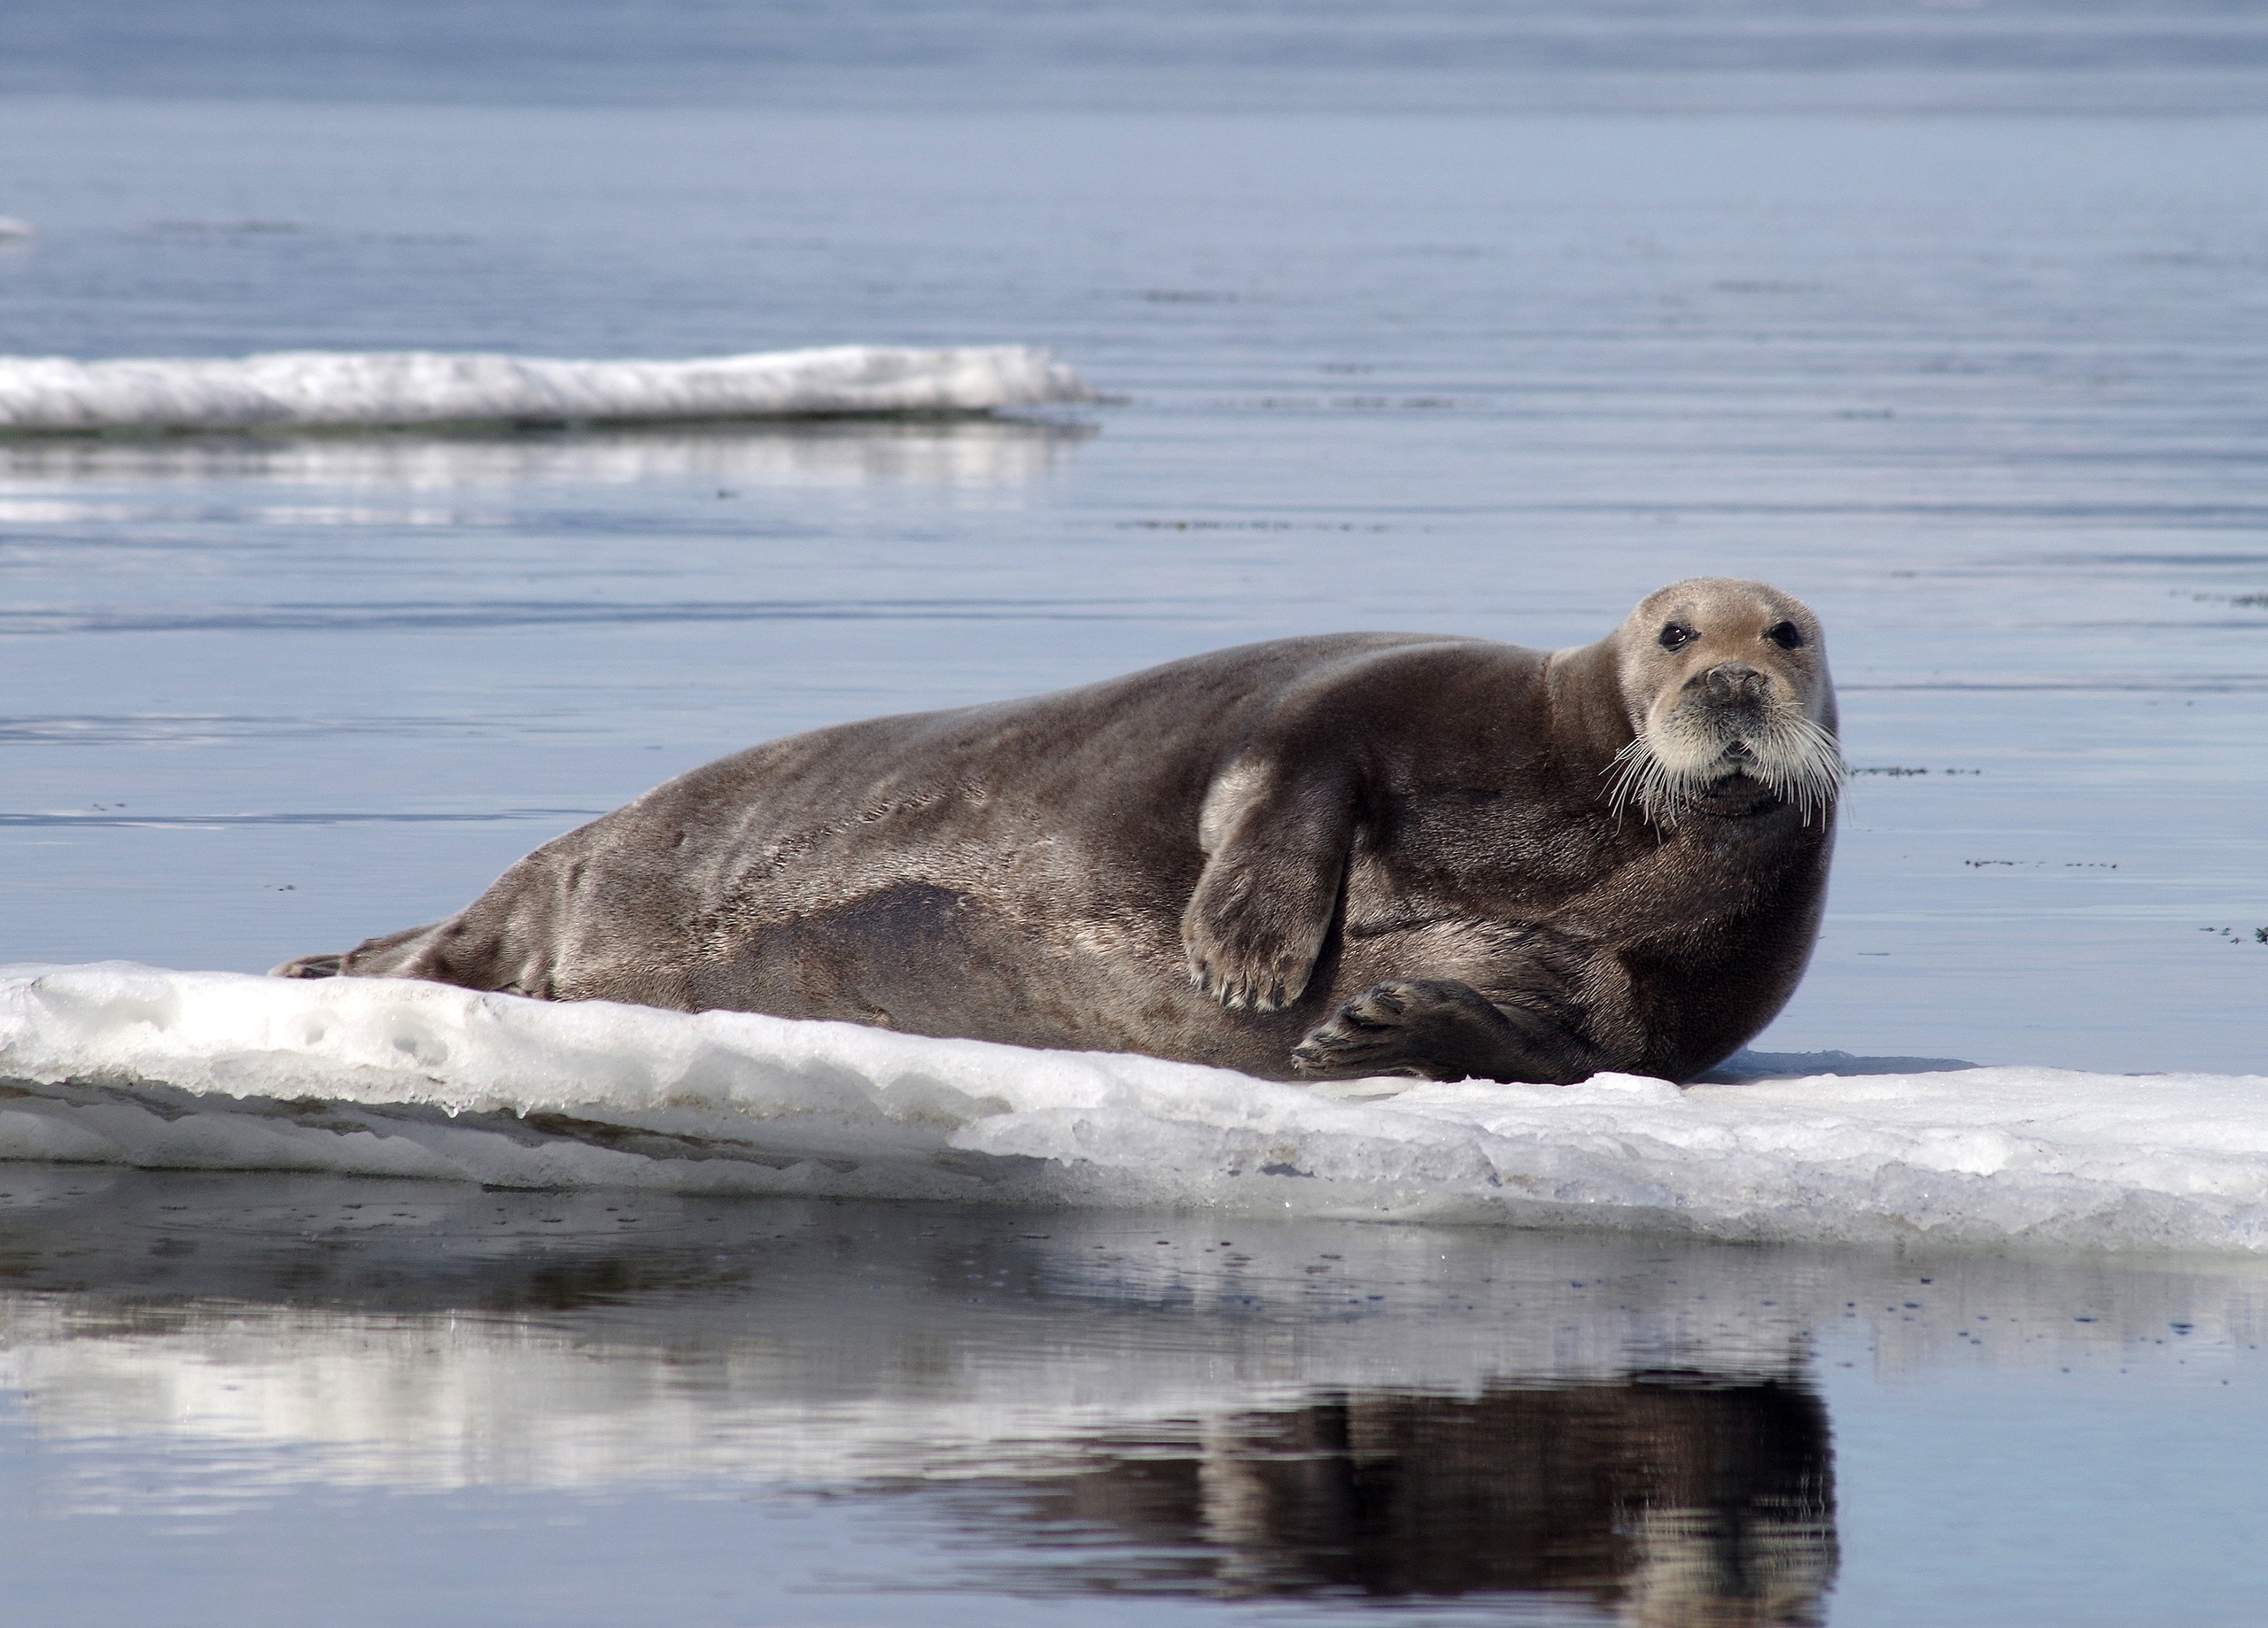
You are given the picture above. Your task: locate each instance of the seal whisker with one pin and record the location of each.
(1801, 761)
(1794, 755)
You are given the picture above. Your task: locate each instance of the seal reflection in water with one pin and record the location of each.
(1325, 858)
(1667, 1500)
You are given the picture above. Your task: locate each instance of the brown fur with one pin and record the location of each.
(1334, 857)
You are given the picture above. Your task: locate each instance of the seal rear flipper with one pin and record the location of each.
(1436, 1028)
(373, 957)
(390, 956)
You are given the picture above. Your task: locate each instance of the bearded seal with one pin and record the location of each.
(1323, 858)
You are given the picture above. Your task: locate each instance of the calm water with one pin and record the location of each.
(1950, 318)
(1984, 391)
(370, 1402)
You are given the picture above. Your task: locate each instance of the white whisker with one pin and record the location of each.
(1677, 759)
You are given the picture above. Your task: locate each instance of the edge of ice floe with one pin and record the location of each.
(394, 389)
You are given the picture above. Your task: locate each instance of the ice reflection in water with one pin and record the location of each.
(971, 452)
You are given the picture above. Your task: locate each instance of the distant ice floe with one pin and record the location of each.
(13, 231)
(117, 1064)
(377, 388)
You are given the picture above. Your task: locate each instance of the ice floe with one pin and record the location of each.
(309, 388)
(117, 1064)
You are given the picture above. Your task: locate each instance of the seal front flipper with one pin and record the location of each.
(1276, 843)
(1436, 1028)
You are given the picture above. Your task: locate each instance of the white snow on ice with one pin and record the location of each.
(117, 1064)
(304, 388)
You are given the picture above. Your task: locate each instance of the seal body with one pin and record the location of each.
(1317, 857)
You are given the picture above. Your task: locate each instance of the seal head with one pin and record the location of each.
(1729, 704)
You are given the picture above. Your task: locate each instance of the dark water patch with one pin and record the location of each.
(164, 729)
(2190, 55)
(2181, 559)
(2233, 684)
(1744, 1065)
(211, 822)
(445, 616)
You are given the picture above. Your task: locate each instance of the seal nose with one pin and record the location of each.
(1734, 681)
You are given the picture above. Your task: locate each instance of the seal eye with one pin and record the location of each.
(1787, 635)
(1676, 636)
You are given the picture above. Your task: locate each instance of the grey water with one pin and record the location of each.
(1952, 319)
(236, 1398)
